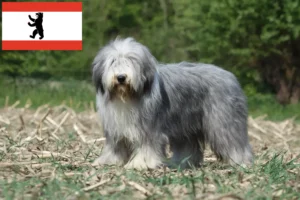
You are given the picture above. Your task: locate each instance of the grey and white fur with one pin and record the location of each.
(144, 105)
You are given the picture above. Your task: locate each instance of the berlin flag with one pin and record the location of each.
(41, 26)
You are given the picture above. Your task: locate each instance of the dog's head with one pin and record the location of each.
(123, 68)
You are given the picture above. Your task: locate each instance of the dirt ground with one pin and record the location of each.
(34, 139)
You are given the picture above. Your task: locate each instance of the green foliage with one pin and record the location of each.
(234, 34)
(79, 95)
(237, 34)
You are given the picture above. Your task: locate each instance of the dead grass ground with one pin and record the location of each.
(47, 153)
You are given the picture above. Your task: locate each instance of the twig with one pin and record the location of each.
(22, 123)
(211, 159)
(47, 113)
(262, 117)
(31, 137)
(61, 115)
(9, 164)
(72, 173)
(39, 165)
(95, 185)
(28, 104)
(41, 121)
(39, 109)
(284, 124)
(79, 132)
(15, 104)
(4, 120)
(139, 187)
(81, 126)
(6, 101)
(49, 119)
(255, 125)
(229, 196)
(92, 107)
(60, 124)
(96, 140)
(254, 135)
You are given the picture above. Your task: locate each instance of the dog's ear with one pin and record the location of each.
(149, 69)
(98, 66)
(97, 73)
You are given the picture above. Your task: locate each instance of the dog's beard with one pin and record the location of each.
(124, 92)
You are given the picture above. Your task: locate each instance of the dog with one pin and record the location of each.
(144, 106)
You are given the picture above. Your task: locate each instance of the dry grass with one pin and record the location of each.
(47, 153)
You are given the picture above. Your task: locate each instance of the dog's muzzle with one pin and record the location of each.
(121, 87)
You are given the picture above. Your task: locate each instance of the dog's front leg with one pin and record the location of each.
(113, 153)
(146, 156)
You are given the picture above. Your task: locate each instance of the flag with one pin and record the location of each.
(41, 26)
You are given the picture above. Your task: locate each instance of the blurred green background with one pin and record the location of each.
(258, 41)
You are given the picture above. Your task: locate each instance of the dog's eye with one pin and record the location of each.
(112, 62)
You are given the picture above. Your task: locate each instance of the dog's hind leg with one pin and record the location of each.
(232, 152)
(228, 139)
(187, 152)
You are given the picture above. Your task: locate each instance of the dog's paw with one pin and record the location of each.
(136, 165)
(141, 164)
(103, 160)
(99, 161)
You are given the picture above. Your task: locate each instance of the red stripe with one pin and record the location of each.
(41, 7)
(42, 45)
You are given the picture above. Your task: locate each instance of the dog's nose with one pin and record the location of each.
(121, 78)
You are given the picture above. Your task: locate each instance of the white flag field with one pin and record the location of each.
(41, 26)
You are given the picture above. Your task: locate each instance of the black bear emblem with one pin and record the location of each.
(38, 25)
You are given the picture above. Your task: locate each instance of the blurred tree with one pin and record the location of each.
(257, 40)
(239, 33)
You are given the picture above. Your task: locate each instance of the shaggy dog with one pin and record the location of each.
(144, 105)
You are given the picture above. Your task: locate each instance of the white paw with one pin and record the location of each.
(140, 161)
(105, 160)
(136, 165)
(99, 161)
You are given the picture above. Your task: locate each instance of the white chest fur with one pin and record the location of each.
(119, 119)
